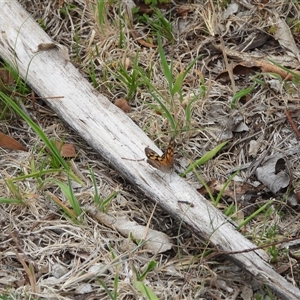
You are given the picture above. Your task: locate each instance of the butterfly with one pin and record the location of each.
(164, 163)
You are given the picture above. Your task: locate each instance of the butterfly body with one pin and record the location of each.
(165, 162)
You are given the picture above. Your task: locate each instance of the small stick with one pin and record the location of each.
(292, 123)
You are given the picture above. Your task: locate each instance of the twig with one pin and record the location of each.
(292, 123)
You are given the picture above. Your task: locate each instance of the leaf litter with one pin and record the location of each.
(66, 258)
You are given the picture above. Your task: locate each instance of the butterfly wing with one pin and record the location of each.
(163, 163)
(168, 156)
(153, 158)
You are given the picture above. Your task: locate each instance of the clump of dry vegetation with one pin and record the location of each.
(206, 73)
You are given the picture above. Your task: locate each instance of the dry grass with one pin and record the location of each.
(56, 258)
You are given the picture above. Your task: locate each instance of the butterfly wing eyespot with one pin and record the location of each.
(163, 163)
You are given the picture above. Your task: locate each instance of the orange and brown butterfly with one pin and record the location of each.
(164, 163)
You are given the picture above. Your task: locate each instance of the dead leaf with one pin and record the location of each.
(144, 8)
(232, 9)
(238, 69)
(184, 9)
(211, 185)
(123, 104)
(66, 150)
(292, 199)
(274, 174)
(280, 165)
(242, 193)
(10, 143)
(254, 40)
(233, 124)
(269, 67)
(140, 40)
(263, 64)
(6, 77)
(284, 36)
(6, 80)
(235, 190)
(254, 147)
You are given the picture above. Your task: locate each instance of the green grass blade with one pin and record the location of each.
(247, 220)
(10, 201)
(164, 26)
(230, 210)
(101, 11)
(168, 70)
(68, 192)
(240, 94)
(35, 174)
(150, 267)
(73, 200)
(188, 111)
(220, 194)
(116, 282)
(36, 128)
(14, 189)
(104, 206)
(211, 196)
(111, 296)
(166, 112)
(179, 80)
(146, 291)
(297, 76)
(96, 193)
(207, 156)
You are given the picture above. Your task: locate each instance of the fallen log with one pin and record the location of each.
(115, 136)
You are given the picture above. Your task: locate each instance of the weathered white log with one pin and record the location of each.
(115, 136)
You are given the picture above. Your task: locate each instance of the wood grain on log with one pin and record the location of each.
(115, 136)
